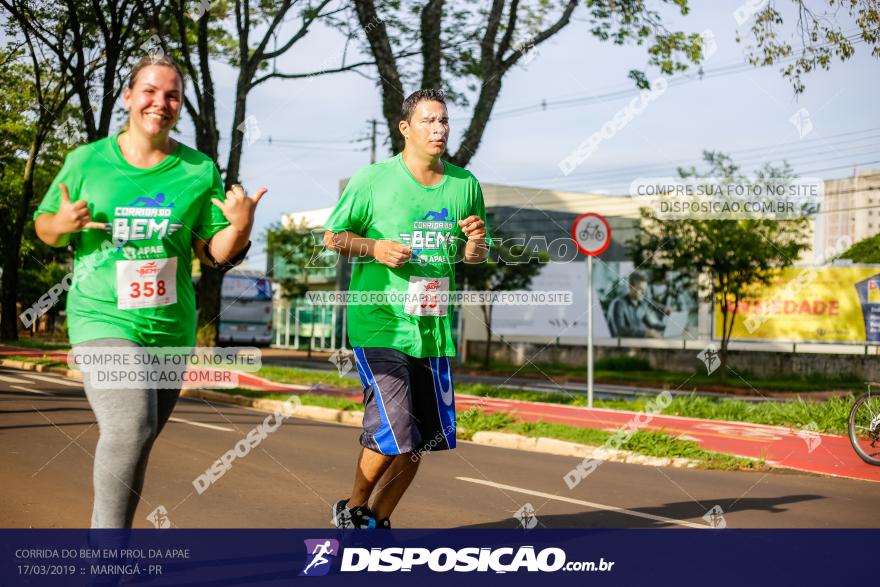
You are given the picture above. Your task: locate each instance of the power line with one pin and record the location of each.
(728, 69)
(817, 143)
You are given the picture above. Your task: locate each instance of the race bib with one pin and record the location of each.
(427, 296)
(146, 284)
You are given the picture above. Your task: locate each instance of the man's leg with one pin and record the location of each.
(393, 484)
(371, 466)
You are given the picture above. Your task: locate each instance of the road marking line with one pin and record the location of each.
(211, 426)
(591, 504)
(57, 380)
(12, 379)
(31, 390)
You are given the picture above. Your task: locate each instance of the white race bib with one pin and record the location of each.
(427, 296)
(146, 284)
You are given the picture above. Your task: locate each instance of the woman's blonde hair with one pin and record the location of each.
(146, 61)
(153, 59)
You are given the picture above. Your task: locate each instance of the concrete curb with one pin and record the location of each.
(27, 366)
(573, 449)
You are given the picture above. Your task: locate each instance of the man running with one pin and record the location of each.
(404, 218)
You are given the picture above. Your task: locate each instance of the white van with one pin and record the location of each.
(246, 308)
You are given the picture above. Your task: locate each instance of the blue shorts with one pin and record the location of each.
(409, 404)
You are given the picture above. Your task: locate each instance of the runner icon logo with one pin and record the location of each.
(159, 517)
(810, 435)
(709, 356)
(715, 518)
(318, 553)
(342, 359)
(526, 516)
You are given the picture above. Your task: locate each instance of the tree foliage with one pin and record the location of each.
(509, 267)
(818, 37)
(735, 255)
(467, 47)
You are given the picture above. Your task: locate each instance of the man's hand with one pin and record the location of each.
(391, 254)
(73, 216)
(475, 249)
(474, 228)
(238, 208)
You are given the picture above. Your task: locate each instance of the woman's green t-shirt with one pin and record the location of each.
(134, 279)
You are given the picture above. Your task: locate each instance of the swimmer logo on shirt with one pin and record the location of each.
(432, 233)
(146, 218)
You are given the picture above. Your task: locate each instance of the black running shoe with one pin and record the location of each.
(359, 517)
(383, 523)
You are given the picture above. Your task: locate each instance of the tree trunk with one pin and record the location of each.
(11, 262)
(208, 294)
(237, 132)
(207, 142)
(389, 76)
(8, 297)
(474, 133)
(432, 50)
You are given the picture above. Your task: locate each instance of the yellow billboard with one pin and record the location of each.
(811, 304)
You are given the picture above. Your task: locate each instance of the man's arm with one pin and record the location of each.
(475, 250)
(389, 253)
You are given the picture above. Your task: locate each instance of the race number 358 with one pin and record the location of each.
(147, 289)
(146, 284)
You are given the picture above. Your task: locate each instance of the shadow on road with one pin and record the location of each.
(681, 510)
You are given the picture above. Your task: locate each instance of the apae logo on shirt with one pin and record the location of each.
(146, 218)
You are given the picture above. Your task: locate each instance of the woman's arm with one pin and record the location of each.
(238, 208)
(55, 229)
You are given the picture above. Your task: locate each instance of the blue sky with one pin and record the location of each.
(741, 113)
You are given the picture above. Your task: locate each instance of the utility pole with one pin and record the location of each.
(373, 142)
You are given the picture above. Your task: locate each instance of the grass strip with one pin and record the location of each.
(636, 370)
(43, 361)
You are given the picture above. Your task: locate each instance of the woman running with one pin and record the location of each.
(135, 205)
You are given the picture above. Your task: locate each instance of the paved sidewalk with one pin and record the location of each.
(795, 449)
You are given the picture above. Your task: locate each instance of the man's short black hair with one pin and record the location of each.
(636, 278)
(406, 111)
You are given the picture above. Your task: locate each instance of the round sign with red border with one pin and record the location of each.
(591, 233)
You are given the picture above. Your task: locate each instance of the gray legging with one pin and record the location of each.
(129, 420)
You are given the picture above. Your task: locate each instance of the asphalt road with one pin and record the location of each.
(48, 436)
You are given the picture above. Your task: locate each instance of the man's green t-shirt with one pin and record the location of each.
(134, 279)
(385, 202)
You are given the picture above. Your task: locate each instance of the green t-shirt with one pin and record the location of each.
(134, 280)
(384, 201)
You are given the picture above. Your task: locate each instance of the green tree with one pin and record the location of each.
(291, 247)
(30, 150)
(291, 250)
(468, 46)
(509, 267)
(818, 36)
(735, 255)
(93, 43)
(865, 251)
(249, 36)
